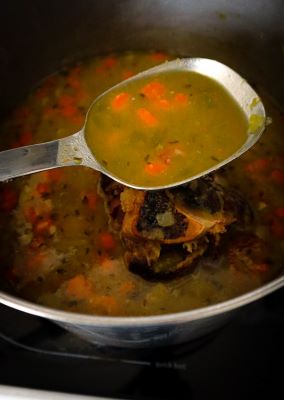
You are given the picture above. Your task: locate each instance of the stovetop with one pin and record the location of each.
(244, 359)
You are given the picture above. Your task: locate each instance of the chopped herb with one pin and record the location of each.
(104, 162)
(173, 141)
(214, 158)
(146, 158)
(142, 95)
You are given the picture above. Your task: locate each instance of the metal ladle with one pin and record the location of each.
(74, 151)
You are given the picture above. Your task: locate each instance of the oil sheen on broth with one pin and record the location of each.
(57, 248)
(163, 129)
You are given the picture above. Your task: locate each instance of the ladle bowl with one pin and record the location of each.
(74, 151)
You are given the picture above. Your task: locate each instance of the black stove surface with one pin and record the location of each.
(244, 359)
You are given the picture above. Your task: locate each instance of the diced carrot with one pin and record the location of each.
(78, 287)
(73, 77)
(155, 168)
(127, 288)
(109, 303)
(159, 56)
(92, 200)
(181, 98)
(107, 241)
(43, 226)
(120, 101)
(74, 82)
(258, 165)
(8, 199)
(107, 265)
(279, 212)
(277, 229)
(147, 117)
(109, 62)
(163, 103)
(68, 111)
(43, 188)
(30, 215)
(36, 242)
(170, 151)
(66, 100)
(277, 176)
(154, 90)
(26, 138)
(127, 74)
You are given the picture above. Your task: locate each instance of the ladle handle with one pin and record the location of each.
(28, 159)
(25, 160)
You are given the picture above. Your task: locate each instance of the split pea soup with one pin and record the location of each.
(164, 129)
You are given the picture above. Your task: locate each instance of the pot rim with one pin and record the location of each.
(164, 319)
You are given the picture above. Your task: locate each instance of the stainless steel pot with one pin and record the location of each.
(40, 37)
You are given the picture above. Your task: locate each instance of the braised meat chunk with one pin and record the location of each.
(166, 232)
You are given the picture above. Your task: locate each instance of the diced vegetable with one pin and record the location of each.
(43, 188)
(120, 101)
(79, 288)
(181, 98)
(147, 117)
(258, 165)
(155, 168)
(154, 90)
(107, 241)
(92, 200)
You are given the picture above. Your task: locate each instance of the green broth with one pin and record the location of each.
(166, 128)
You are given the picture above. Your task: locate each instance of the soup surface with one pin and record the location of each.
(168, 128)
(57, 247)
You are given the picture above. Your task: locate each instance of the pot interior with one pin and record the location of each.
(246, 36)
